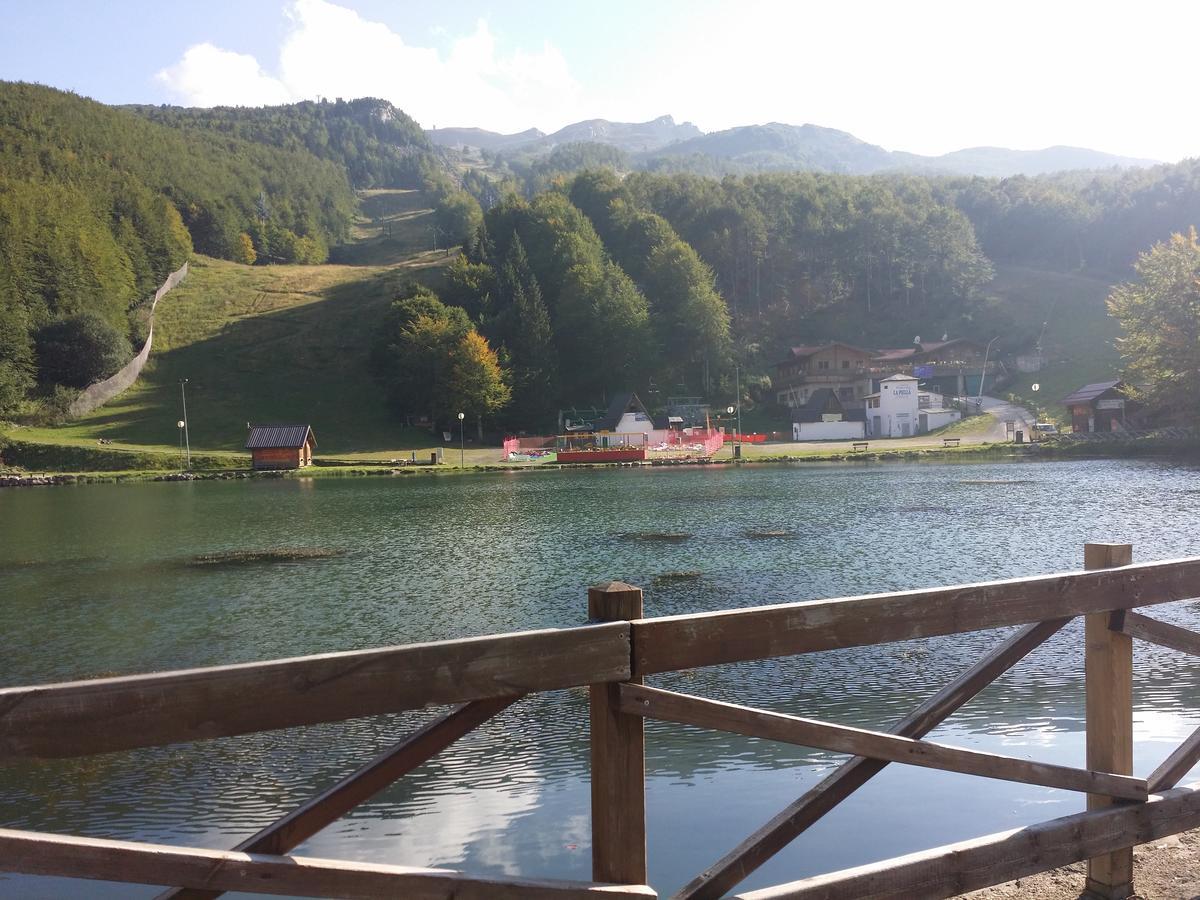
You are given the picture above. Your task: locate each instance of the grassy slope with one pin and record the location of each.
(270, 344)
(1078, 338)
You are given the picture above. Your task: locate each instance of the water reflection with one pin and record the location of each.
(434, 558)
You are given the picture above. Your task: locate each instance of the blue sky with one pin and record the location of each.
(928, 77)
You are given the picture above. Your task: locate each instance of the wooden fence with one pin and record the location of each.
(480, 677)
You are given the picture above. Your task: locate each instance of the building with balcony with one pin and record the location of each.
(952, 368)
(841, 368)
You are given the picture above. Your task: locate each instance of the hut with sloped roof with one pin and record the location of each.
(281, 446)
(1102, 406)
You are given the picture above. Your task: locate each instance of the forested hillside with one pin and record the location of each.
(377, 145)
(579, 276)
(1080, 220)
(97, 205)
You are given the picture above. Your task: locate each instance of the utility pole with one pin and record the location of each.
(186, 437)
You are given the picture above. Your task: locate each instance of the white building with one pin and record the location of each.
(823, 418)
(899, 409)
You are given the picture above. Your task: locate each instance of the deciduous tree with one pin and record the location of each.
(1160, 316)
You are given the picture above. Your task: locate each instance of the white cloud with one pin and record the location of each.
(332, 51)
(209, 76)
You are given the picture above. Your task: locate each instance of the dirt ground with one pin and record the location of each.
(1163, 870)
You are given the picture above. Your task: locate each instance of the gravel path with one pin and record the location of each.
(1163, 870)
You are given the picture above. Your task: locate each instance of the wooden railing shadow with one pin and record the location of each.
(480, 677)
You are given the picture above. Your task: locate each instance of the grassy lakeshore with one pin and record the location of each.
(487, 460)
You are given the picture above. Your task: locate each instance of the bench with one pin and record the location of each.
(950, 442)
(858, 447)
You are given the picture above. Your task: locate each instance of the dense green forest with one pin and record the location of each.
(376, 144)
(665, 284)
(97, 205)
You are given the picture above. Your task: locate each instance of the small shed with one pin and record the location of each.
(281, 446)
(1102, 406)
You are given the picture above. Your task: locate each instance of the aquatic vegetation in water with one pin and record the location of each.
(769, 533)
(996, 481)
(670, 537)
(250, 557)
(668, 577)
(21, 565)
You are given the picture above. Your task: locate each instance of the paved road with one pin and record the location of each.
(1003, 412)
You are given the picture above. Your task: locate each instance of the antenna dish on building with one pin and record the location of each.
(917, 339)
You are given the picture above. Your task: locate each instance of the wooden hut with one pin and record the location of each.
(281, 446)
(1102, 406)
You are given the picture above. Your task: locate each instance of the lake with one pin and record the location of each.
(100, 579)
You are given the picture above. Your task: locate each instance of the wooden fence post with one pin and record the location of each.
(1108, 668)
(618, 759)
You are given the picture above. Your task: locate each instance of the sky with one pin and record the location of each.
(924, 76)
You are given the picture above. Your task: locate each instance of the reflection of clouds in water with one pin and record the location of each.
(526, 822)
(451, 829)
(1156, 725)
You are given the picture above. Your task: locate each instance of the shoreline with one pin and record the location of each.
(362, 469)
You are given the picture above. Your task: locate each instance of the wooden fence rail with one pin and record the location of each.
(481, 677)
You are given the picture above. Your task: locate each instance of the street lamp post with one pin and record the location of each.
(729, 411)
(983, 373)
(179, 425)
(462, 441)
(186, 437)
(737, 390)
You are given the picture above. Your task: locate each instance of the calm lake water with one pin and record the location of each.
(96, 579)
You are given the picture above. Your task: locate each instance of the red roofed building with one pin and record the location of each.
(281, 446)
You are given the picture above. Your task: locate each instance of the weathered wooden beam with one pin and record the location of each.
(1175, 766)
(721, 877)
(1108, 679)
(687, 710)
(970, 865)
(618, 759)
(34, 853)
(1162, 633)
(704, 639)
(291, 830)
(84, 717)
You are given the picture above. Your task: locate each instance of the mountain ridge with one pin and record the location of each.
(632, 137)
(662, 144)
